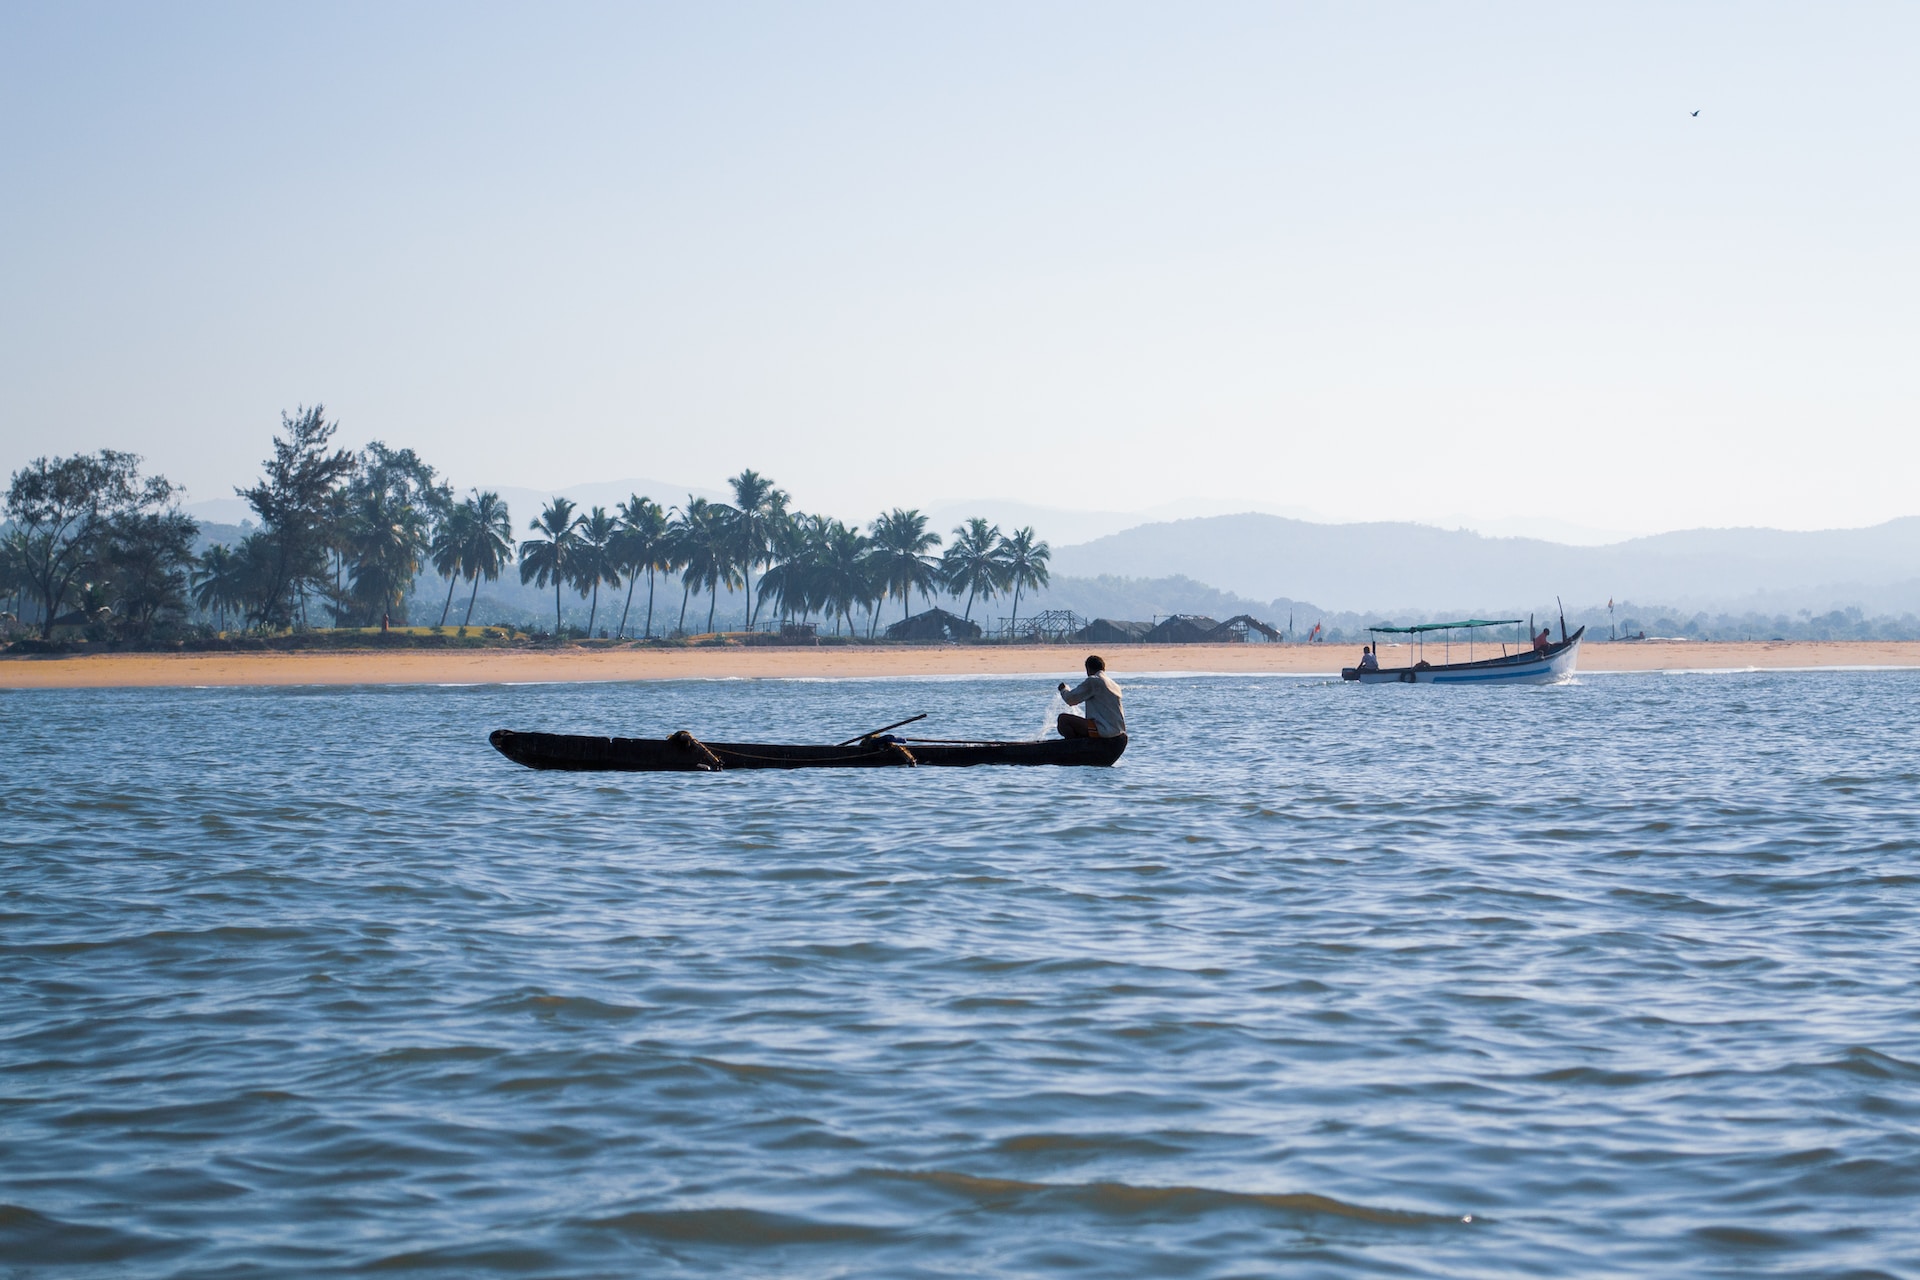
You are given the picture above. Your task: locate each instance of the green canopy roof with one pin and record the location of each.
(1443, 626)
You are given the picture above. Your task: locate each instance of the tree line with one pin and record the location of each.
(342, 537)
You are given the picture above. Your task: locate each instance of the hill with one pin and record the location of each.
(1399, 566)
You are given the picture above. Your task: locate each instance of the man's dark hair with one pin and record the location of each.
(1095, 663)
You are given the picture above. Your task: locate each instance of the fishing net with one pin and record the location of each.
(1055, 705)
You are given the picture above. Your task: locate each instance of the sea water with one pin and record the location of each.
(1618, 978)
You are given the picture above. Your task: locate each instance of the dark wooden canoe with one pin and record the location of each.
(684, 754)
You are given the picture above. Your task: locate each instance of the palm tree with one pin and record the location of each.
(792, 579)
(843, 579)
(973, 562)
(448, 550)
(900, 546)
(255, 570)
(596, 561)
(759, 508)
(642, 543)
(337, 537)
(217, 583)
(390, 538)
(1026, 563)
(550, 559)
(489, 543)
(707, 549)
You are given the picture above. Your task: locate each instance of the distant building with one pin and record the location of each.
(934, 624)
(1111, 631)
(1181, 628)
(1241, 629)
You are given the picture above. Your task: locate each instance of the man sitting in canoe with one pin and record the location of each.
(1541, 642)
(1367, 661)
(1102, 696)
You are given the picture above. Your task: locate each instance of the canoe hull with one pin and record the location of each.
(579, 753)
(1555, 666)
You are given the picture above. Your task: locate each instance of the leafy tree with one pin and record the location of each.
(550, 558)
(149, 554)
(642, 543)
(900, 546)
(394, 504)
(294, 500)
(64, 512)
(759, 510)
(13, 568)
(1026, 563)
(596, 560)
(974, 562)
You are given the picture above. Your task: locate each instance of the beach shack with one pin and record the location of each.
(1110, 631)
(935, 624)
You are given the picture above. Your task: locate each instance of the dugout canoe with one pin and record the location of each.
(683, 753)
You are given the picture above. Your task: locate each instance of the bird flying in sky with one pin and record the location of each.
(1696, 113)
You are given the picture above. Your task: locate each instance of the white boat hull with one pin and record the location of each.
(1555, 666)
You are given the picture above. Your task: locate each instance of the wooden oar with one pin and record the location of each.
(882, 729)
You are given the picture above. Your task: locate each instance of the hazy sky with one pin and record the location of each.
(1379, 261)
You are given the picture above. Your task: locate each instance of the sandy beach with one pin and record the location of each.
(513, 666)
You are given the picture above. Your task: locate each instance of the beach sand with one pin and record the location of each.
(514, 666)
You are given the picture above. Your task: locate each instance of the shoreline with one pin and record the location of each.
(566, 666)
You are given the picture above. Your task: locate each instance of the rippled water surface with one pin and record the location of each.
(1612, 979)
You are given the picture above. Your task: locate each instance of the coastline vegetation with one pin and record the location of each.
(92, 549)
(95, 553)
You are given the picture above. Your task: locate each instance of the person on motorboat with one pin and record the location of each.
(1367, 661)
(1102, 696)
(1541, 642)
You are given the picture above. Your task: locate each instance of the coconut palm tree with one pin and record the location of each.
(703, 544)
(843, 580)
(1026, 563)
(597, 560)
(489, 543)
(642, 543)
(255, 570)
(550, 558)
(759, 509)
(217, 582)
(337, 534)
(678, 539)
(900, 546)
(391, 537)
(707, 549)
(973, 563)
(792, 579)
(448, 550)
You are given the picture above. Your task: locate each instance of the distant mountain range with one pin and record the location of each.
(1418, 568)
(1121, 560)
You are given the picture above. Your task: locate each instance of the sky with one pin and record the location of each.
(1477, 264)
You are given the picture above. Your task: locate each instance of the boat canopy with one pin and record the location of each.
(1443, 626)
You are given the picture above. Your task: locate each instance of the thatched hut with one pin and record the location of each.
(1181, 628)
(1111, 631)
(935, 624)
(1240, 630)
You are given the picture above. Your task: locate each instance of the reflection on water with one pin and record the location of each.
(1615, 978)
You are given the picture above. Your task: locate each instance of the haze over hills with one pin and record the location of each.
(1404, 566)
(1188, 550)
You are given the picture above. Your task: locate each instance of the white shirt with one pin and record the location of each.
(1102, 697)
